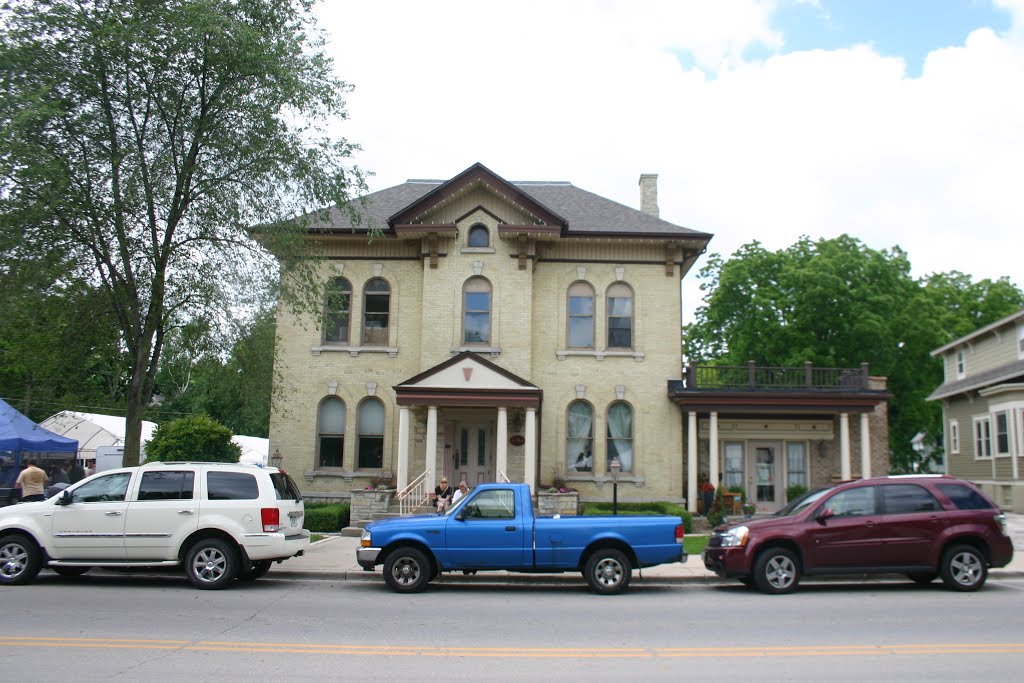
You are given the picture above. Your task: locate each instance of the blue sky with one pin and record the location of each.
(786, 118)
(899, 28)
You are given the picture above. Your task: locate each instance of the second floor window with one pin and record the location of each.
(478, 237)
(961, 364)
(376, 311)
(336, 310)
(581, 316)
(620, 316)
(476, 306)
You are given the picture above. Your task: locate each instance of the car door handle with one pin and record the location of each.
(112, 513)
(510, 528)
(184, 512)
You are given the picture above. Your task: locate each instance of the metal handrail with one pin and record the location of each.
(413, 495)
(502, 479)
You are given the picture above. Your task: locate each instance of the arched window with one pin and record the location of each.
(371, 434)
(476, 311)
(620, 435)
(331, 428)
(376, 309)
(581, 316)
(579, 437)
(478, 236)
(336, 310)
(620, 316)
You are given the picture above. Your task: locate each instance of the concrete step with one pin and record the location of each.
(356, 531)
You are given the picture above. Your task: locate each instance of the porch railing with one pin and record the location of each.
(752, 377)
(414, 495)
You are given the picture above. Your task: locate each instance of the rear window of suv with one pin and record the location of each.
(284, 487)
(965, 497)
(231, 486)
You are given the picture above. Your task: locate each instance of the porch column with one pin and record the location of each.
(844, 446)
(403, 447)
(713, 450)
(501, 447)
(865, 447)
(530, 469)
(431, 463)
(691, 462)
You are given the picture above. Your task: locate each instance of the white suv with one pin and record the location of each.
(221, 521)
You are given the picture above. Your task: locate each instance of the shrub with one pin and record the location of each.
(327, 517)
(652, 508)
(795, 491)
(717, 513)
(196, 438)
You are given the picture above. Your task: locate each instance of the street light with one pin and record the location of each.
(276, 459)
(615, 466)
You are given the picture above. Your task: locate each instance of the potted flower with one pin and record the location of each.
(749, 509)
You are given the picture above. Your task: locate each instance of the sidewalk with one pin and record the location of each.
(334, 558)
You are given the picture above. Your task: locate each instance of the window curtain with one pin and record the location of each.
(620, 433)
(580, 423)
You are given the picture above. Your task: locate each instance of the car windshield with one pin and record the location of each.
(802, 502)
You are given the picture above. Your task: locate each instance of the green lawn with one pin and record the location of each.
(694, 544)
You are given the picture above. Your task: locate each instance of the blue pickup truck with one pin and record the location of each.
(494, 528)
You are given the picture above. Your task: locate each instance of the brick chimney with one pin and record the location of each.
(649, 193)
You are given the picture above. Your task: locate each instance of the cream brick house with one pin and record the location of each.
(498, 329)
(531, 331)
(983, 409)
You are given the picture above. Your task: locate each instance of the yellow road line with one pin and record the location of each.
(514, 652)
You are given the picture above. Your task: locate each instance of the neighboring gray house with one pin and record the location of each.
(983, 409)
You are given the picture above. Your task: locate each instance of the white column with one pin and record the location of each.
(865, 447)
(403, 447)
(844, 446)
(691, 462)
(501, 447)
(713, 450)
(530, 471)
(431, 448)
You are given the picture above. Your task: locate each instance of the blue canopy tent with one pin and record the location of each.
(19, 435)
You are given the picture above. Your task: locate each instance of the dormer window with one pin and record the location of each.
(961, 364)
(478, 236)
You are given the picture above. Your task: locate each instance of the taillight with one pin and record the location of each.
(680, 533)
(271, 519)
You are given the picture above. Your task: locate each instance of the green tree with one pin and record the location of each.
(143, 140)
(837, 303)
(197, 438)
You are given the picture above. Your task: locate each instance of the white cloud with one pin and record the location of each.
(816, 143)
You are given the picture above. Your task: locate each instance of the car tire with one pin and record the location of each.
(257, 570)
(777, 571)
(20, 560)
(211, 563)
(963, 568)
(70, 572)
(922, 578)
(608, 571)
(407, 570)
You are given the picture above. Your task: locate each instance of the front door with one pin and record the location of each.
(764, 477)
(473, 459)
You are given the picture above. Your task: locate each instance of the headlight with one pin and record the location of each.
(365, 540)
(737, 536)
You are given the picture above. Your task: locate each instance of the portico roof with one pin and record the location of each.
(468, 380)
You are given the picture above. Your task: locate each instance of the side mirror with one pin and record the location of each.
(65, 498)
(460, 517)
(824, 515)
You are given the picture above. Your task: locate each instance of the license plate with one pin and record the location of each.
(294, 521)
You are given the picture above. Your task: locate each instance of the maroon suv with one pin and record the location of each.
(921, 526)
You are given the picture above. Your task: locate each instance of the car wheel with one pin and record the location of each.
(211, 563)
(407, 570)
(922, 578)
(776, 571)
(258, 570)
(69, 572)
(608, 571)
(963, 568)
(20, 560)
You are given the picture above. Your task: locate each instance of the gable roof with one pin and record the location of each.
(577, 212)
(467, 380)
(1002, 322)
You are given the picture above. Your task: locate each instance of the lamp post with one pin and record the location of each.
(276, 459)
(615, 466)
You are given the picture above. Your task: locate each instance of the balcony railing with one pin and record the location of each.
(758, 377)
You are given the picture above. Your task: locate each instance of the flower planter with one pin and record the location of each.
(550, 504)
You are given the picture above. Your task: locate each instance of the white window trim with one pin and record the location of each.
(960, 363)
(1020, 341)
(562, 354)
(954, 436)
(976, 423)
(1009, 433)
(354, 351)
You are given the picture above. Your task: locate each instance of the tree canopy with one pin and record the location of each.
(163, 150)
(837, 303)
(197, 438)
